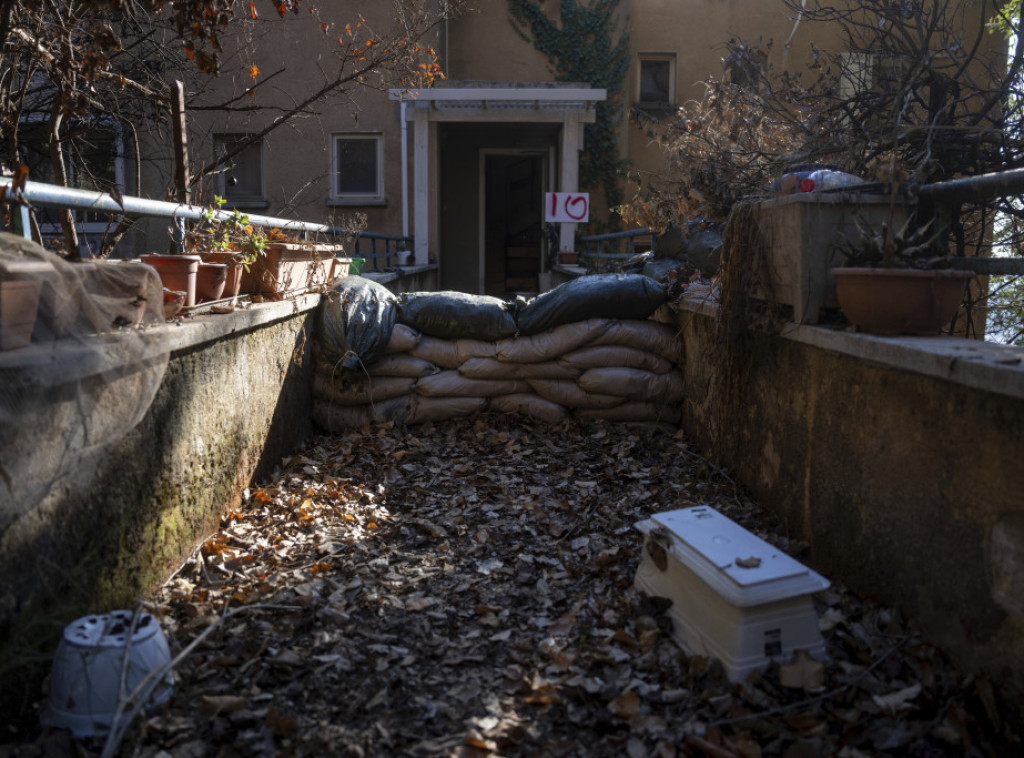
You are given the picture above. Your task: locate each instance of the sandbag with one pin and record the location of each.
(634, 384)
(491, 368)
(531, 405)
(634, 412)
(552, 344)
(335, 418)
(403, 339)
(350, 388)
(452, 353)
(571, 395)
(454, 315)
(356, 320)
(453, 384)
(624, 296)
(652, 336)
(615, 355)
(423, 409)
(401, 364)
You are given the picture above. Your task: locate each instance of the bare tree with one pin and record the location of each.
(71, 69)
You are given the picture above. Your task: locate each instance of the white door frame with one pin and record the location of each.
(546, 181)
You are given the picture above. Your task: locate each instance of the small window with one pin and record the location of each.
(241, 179)
(657, 80)
(357, 168)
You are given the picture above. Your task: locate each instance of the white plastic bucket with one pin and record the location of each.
(85, 682)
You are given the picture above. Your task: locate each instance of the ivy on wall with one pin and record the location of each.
(581, 48)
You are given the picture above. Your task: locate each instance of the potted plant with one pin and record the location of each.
(231, 242)
(898, 282)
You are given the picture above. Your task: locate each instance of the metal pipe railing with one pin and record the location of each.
(53, 196)
(592, 243)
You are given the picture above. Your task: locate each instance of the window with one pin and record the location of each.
(93, 158)
(745, 67)
(357, 168)
(240, 181)
(657, 86)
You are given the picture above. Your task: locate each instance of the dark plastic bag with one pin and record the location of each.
(622, 296)
(457, 315)
(356, 320)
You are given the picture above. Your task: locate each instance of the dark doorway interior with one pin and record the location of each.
(512, 229)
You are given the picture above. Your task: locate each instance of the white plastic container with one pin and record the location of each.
(734, 596)
(86, 678)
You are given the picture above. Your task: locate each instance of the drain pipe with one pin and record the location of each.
(405, 171)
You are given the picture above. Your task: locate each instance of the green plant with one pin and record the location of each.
(229, 233)
(908, 247)
(581, 48)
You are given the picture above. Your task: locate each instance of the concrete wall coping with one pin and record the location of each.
(979, 365)
(71, 360)
(384, 277)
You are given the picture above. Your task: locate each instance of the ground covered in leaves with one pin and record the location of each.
(465, 589)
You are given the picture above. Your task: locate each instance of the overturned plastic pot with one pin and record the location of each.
(85, 684)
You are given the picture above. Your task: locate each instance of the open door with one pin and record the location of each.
(513, 213)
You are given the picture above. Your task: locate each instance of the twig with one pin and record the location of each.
(817, 698)
(140, 695)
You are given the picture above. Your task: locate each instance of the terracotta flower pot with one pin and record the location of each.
(233, 260)
(899, 301)
(568, 258)
(19, 301)
(210, 281)
(289, 268)
(177, 272)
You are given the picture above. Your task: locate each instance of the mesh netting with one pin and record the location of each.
(80, 363)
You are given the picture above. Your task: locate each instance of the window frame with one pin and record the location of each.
(258, 200)
(357, 198)
(653, 57)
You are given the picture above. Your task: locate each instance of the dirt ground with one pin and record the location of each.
(466, 589)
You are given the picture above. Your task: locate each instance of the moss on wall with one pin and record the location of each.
(225, 414)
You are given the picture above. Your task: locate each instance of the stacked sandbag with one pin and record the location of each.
(621, 370)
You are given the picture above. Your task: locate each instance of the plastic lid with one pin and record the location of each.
(109, 630)
(744, 569)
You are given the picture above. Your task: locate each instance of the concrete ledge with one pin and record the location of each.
(421, 278)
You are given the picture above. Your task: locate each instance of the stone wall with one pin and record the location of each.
(232, 400)
(898, 459)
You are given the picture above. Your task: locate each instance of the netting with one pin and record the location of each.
(80, 365)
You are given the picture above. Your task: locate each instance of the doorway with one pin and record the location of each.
(512, 240)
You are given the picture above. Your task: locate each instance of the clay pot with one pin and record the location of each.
(568, 258)
(177, 272)
(899, 301)
(233, 260)
(210, 281)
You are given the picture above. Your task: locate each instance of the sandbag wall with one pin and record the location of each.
(621, 369)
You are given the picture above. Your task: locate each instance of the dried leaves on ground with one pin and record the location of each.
(465, 589)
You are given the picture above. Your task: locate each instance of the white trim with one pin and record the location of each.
(354, 198)
(575, 95)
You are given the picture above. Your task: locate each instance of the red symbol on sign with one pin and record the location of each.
(576, 207)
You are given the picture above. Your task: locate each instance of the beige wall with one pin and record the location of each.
(481, 45)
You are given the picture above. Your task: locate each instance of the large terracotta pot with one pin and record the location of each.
(177, 272)
(289, 268)
(899, 301)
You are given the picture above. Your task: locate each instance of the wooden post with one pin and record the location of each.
(180, 143)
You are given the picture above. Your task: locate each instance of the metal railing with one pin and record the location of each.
(601, 248)
(383, 247)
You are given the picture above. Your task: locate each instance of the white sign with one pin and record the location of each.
(568, 207)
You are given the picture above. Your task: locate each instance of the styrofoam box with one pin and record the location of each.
(746, 617)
